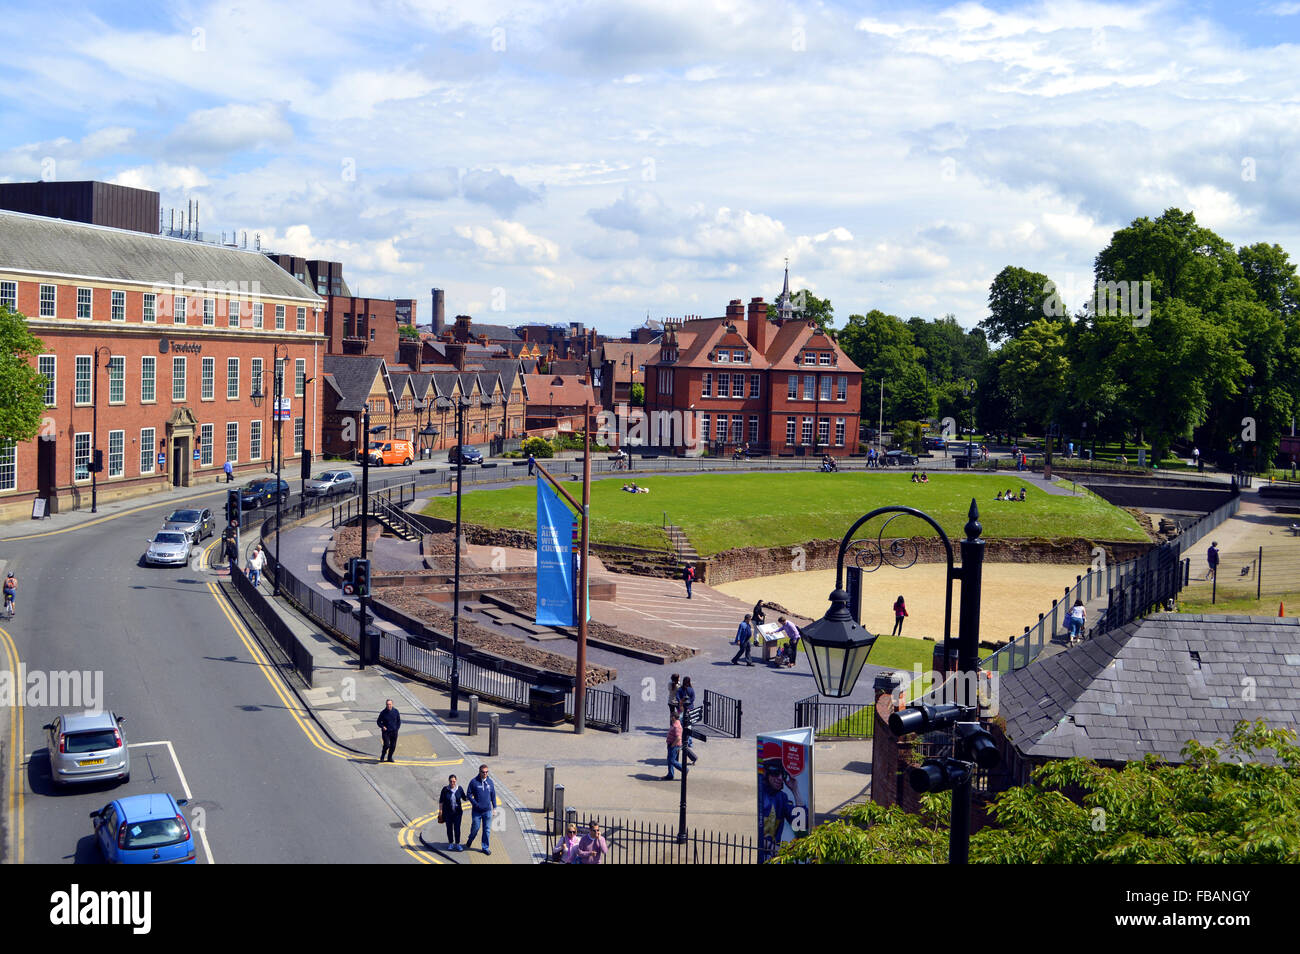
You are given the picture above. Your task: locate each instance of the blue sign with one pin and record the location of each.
(197, 453)
(162, 460)
(555, 564)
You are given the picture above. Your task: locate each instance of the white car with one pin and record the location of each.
(331, 482)
(168, 548)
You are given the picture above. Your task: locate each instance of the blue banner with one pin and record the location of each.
(556, 582)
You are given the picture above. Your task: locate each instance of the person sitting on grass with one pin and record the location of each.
(999, 496)
(916, 478)
(925, 478)
(631, 488)
(1022, 494)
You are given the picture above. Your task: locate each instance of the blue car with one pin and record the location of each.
(144, 830)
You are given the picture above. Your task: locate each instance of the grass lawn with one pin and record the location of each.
(722, 511)
(1242, 606)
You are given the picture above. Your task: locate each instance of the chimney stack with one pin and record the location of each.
(735, 312)
(758, 330)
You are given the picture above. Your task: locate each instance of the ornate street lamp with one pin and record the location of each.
(460, 405)
(96, 459)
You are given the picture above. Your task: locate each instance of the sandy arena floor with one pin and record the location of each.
(1014, 594)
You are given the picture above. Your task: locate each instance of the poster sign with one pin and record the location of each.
(198, 452)
(283, 412)
(785, 788)
(555, 564)
(162, 461)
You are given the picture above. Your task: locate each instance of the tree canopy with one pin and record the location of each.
(22, 387)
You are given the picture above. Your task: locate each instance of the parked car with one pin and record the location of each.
(935, 443)
(88, 747)
(392, 452)
(144, 830)
(197, 523)
(466, 453)
(331, 482)
(262, 492)
(168, 548)
(898, 458)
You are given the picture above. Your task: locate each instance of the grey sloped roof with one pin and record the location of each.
(420, 382)
(493, 332)
(1151, 686)
(34, 243)
(353, 377)
(508, 368)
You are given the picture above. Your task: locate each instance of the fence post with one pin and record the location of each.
(740, 711)
(494, 735)
(473, 715)
(1259, 572)
(558, 808)
(548, 789)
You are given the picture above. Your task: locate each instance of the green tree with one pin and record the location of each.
(808, 307)
(1018, 298)
(638, 394)
(1032, 372)
(881, 345)
(22, 387)
(1235, 802)
(538, 447)
(408, 331)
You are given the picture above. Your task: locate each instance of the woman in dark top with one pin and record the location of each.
(900, 613)
(449, 808)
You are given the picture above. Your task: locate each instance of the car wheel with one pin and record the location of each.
(407, 462)
(126, 778)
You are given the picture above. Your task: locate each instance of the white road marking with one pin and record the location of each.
(185, 786)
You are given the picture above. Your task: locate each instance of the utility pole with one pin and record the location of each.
(580, 687)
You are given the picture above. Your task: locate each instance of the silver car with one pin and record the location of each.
(197, 523)
(168, 548)
(331, 482)
(88, 747)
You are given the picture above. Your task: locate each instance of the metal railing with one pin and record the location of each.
(604, 708)
(634, 842)
(347, 511)
(835, 720)
(723, 713)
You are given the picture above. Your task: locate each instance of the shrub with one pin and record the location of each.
(538, 447)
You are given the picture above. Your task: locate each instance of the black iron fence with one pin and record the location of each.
(722, 713)
(835, 720)
(635, 842)
(605, 708)
(257, 602)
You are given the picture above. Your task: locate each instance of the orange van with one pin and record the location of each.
(392, 452)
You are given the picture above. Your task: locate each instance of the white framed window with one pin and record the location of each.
(232, 312)
(724, 385)
(8, 465)
(178, 309)
(753, 432)
(754, 385)
(148, 379)
(300, 377)
(299, 429)
(807, 431)
(232, 441)
(823, 430)
(117, 379)
(705, 421)
(722, 357)
(232, 379)
(205, 444)
(149, 309)
(85, 302)
(839, 432)
(178, 379)
(789, 431)
(706, 385)
(48, 365)
(841, 387)
(254, 440)
(257, 314)
(809, 357)
(148, 438)
(117, 311)
(116, 453)
(85, 369)
(207, 379)
(81, 456)
(826, 387)
(9, 295)
(738, 357)
(279, 317)
(665, 380)
(824, 358)
(809, 384)
(255, 380)
(209, 312)
(720, 432)
(737, 428)
(48, 301)
(792, 392)
(302, 321)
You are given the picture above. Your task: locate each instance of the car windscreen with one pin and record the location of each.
(169, 538)
(90, 741)
(325, 476)
(154, 834)
(185, 516)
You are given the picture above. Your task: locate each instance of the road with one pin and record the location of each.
(201, 713)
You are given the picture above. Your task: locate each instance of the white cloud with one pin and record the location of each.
(506, 243)
(232, 128)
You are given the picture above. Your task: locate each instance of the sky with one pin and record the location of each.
(604, 161)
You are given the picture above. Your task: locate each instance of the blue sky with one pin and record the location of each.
(597, 161)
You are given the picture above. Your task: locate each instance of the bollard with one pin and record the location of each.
(559, 810)
(548, 789)
(494, 735)
(473, 715)
(570, 818)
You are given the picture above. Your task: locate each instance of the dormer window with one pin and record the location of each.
(809, 357)
(824, 358)
(722, 357)
(739, 356)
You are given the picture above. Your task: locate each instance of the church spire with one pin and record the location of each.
(784, 309)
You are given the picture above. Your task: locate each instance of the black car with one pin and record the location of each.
(466, 453)
(262, 492)
(898, 458)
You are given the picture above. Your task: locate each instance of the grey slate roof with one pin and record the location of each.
(353, 377)
(34, 243)
(1151, 686)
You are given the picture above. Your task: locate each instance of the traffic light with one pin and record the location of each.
(96, 465)
(234, 506)
(350, 578)
(973, 744)
(306, 464)
(361, 577)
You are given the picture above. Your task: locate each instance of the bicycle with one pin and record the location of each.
(9, 605)
(621, 463)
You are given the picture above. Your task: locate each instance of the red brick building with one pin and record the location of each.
(779, 386)
(163, 340)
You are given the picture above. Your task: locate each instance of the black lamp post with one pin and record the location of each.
(838, 646)
(94, 428)
(277, 395)
(363, 598)
(461, 405)
(302, 484)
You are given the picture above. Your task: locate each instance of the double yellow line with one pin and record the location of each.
(14, 770)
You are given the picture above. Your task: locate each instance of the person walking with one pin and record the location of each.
(1196, 458)
(255, 564)
(593, 848)
(482, 801)
(688, 577)
(566, 849)
(792, 647)
(11, 593)
(674, 704)
(232, 550)
(229, 468)
(759, 617)
(1212, 558)
(674, 743)
(900, 614)
(685, 703)
(532, 464)
(450, 811)
(745, 640)
(389, 721)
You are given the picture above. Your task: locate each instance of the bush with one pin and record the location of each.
(538, 447)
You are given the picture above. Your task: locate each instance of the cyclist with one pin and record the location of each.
(11, 590)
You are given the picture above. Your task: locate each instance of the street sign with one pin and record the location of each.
(696, 714)
(162, 460)
(695, 734)
(283, 410)
(198, 453)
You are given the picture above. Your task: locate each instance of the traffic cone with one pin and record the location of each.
(1281, 608)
